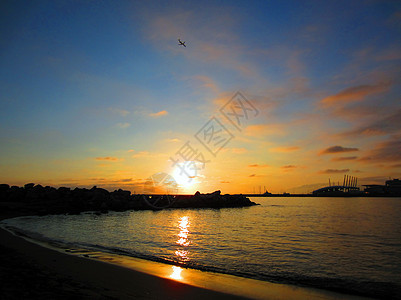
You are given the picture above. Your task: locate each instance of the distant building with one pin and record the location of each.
(348, 188)
(375, 189)
(337, 191)
(391, 188)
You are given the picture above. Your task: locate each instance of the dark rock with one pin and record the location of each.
(36, 199)
(4, 187)
(29, 186)
(212, 200)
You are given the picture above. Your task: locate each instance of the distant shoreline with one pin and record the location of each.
(314, 196)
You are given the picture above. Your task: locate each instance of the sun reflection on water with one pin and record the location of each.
(183, 240)
(176, 273)
(183, 224)
(182, 255)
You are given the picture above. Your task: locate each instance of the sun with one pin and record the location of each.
(186, 174)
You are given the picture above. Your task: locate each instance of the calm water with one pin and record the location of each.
(351, 245)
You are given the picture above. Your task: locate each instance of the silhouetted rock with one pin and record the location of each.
(4, 192)
(36, 199)
(4, 187)
(29, 186)
(212, 200)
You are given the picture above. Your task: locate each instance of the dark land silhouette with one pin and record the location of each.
(36, 199)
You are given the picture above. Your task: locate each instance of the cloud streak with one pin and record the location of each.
(334, 171)
(159, 114)
(264, 130)
(387, 152)
(107, 158)
(285, 149)
(141, 154)
(288, 167)
(256, 175)
(257, 166)
(239, 150)
(346, 158)
(337, 149)
(380, 126)
(356, 93)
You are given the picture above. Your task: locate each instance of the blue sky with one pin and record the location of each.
(100, 92)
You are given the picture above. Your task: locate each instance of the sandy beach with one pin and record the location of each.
(29, 271)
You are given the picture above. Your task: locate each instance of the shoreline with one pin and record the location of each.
(119, 277)
(64, 276)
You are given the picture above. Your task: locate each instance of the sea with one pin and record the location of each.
(346, 245)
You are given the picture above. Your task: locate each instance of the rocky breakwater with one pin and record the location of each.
(212, 200)
(36, 199)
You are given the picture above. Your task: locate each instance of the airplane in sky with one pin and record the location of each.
(181, 43)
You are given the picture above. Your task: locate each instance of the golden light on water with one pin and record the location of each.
(183, 242)
(183, 224)
(182, 252)
(176, 273)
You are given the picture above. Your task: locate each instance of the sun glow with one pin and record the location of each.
(185, 174)
(176, 273)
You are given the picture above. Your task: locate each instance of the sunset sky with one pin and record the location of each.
(100, 93)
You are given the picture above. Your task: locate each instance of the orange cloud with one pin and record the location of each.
(388, 151)
(159, 114)
(222, 99)
(264, 129)
(239, 150)
(356, 93)
(333, 171)
(381, 125)
(285, 149)
(258, 166)
(107, 158)
(288, 167)
(172, 140)
(344, 158)
(207, 82)
(337, 149)
(141, 154)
